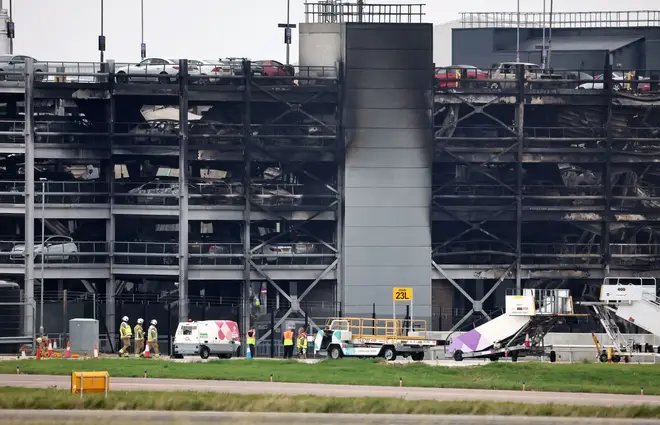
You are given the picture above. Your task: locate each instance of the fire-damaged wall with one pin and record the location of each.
(388, 126)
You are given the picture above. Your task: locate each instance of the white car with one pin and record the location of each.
(598, 83)
(152, 70)
(207, 337)
(160, 191)
(283, 248)
(213, 71)
(55, 248)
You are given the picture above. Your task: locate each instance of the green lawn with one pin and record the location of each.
(24, 398)
(579, 377)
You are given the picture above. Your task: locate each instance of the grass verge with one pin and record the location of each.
(578, 377)
(25, 398)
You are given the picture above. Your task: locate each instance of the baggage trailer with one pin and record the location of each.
(529, 315)
(387, 338)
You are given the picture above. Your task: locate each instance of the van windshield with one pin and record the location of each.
(186, 330)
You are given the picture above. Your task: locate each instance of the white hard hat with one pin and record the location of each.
(154, 322)
(140, 320)
(124, 319)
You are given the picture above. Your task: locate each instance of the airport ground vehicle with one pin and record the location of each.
(206, 338)
(633, 300)
(529, 315)
(359, 337)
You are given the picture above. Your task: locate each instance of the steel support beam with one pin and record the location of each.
(607, 168)
(520, 128)
(477, 305)
(183, 190)
(29, 322)
(110, 310)
(295, 301)
(246, 292)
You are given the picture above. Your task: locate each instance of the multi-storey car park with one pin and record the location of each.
(311, 197)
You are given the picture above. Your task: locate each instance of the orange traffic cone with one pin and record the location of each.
(54, 344)
(67, 354)
(39, 352)
(50, 348)
(96, 352)
(527, 342)
(23, 355)
(147, 352)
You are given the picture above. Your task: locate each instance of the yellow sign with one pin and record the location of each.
(402, 294)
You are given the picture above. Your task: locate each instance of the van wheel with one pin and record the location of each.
(204, 352)
(335, 353)
(458, 355)
(389, 354)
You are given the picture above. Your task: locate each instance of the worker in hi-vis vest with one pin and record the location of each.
(301, 344)
(152, 338)
(252, 342)
(125, 334)
(139, 338)
(288, 343)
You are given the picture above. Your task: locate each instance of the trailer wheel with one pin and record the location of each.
(204, 352)
(553, 356)
(389, 354)
(335, 352)
(417, 357)
(458, 356)
(616, 358)
(603, 358)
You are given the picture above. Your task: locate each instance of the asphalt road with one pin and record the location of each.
(276, 388)
(80, 417)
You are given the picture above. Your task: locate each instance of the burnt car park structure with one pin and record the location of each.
(313, 195)
(551, 176)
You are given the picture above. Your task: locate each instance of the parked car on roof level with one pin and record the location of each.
(467, 72)
(152, 70)
(213, 71)
(15, 64)
(275, 68)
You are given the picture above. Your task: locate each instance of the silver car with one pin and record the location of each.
(213, 71)
(54, 248)
(15, 65)
(152, 70)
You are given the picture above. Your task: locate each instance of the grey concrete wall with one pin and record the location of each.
(387, 241)
(320, 45)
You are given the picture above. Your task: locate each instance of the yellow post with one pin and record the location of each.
(401, 381)
(610, 352)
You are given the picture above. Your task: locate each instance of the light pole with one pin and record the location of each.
(43, 251)
(11, 27)
(518, 35)
(287, 31)
(143, 45)
(102, 37)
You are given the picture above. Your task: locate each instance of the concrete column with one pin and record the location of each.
(110, 315)
(246, 291)
(30, 310)
(183, 190)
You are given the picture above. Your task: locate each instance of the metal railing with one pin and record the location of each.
(604, 19)
(503, 78)
(337, 12)
(56, 192)
(146, 253)
(210, 253)
(58, 250)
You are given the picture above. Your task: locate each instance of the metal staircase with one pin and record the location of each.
(607, 317)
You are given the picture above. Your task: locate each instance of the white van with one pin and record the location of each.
(218, 337)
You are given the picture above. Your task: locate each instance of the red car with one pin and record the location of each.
(276, 69)
(468, 72)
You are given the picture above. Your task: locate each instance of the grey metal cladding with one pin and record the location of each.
(386, 118)
(396, 178)
(397, 236)
(405, 59)
(382, 99)
(388, 256)
(390, 79)
(386, 217)
(388, 197)
(387, 238)
(388, 158)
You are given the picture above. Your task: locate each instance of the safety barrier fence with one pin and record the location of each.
(337, 12)
(600, 19)
(504, 78)
(167, 71)
(557, 137)
(502, 252)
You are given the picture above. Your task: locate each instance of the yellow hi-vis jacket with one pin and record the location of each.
(251, 340)
(288, 338)
(139, 333)
(302, 341)
(125, 330)
(153, 334)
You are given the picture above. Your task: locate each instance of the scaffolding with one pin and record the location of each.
(606, 19)
(338, 11)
